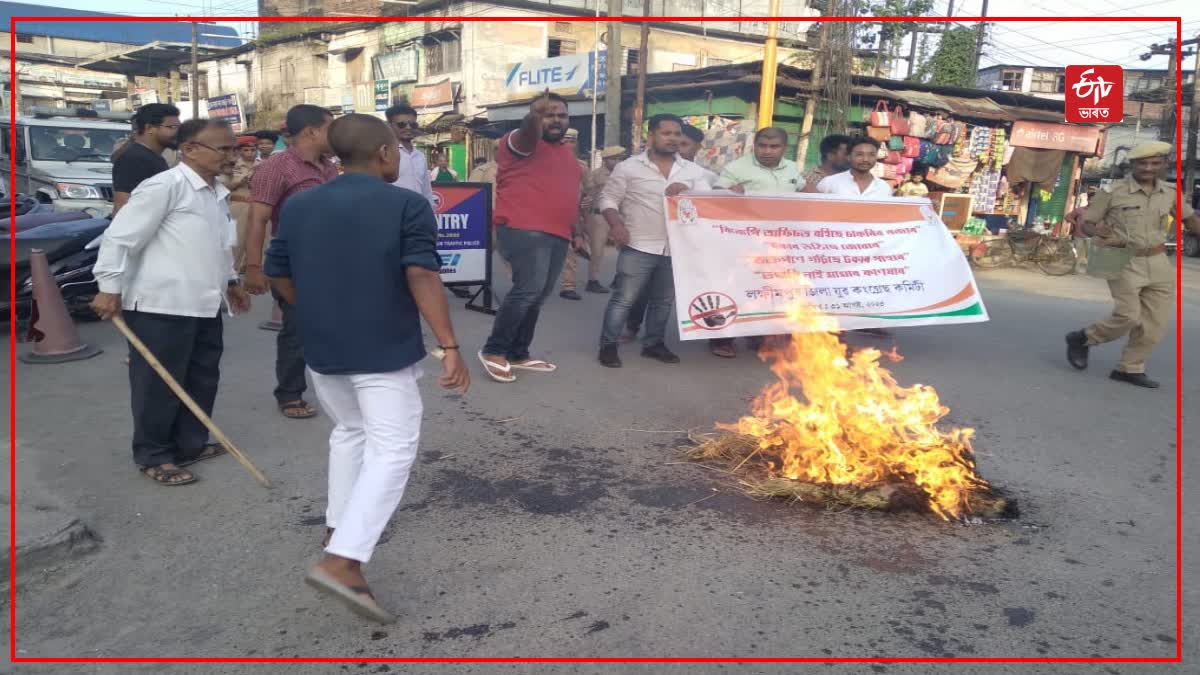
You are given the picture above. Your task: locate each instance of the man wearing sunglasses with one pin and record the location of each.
(414, 169)
(166, 265)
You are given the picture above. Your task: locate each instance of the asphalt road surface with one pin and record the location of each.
(557, 517)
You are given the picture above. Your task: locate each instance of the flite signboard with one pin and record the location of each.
(1050, 136)
(567, 75)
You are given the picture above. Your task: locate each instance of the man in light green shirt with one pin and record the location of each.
(764, 169)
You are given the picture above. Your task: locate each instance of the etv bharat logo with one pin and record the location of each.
(1095, 94)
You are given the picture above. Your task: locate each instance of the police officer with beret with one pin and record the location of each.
(1128, 222)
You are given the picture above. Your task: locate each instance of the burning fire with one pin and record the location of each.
(850, 423)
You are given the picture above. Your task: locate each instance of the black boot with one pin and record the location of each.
(1137, 379)
(609, 357)
(1077, 350)
(659, 352)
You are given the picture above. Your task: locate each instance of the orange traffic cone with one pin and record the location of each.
(276, 322)
(55, 338)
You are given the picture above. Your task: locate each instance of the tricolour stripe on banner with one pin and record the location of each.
(814, 211)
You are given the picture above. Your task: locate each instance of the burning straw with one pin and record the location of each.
(835, 429)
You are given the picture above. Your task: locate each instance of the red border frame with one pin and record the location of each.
(1179, 371)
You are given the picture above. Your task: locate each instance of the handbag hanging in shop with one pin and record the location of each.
(881, 134)
(916, 124)
(895, 142)
(898, 122)
(912, 147)
(880, 116)
(892, 157)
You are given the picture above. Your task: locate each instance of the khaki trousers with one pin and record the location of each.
(1143, 301)
(596, 230)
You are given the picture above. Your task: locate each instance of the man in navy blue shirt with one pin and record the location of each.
(357, 259)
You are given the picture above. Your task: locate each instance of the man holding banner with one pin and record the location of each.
(632, 203)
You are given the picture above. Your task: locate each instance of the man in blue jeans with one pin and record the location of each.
(632, 203)
(537, 216)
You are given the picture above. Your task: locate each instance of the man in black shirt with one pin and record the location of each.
(154, 127)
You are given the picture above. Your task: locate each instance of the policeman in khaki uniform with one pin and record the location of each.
(1128, 222)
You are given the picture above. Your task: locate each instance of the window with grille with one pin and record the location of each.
(1011, 80)
(443, 55)
(560, 47)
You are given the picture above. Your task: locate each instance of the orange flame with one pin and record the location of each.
(855, 424)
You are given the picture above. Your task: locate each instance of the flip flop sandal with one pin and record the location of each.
(211, 450)
(166, 477)
(535, 365)
(725, 352)
(309, 412)
(358, 599)
(496, 371)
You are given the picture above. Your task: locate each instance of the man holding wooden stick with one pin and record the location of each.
(166, 265)
(360, 290)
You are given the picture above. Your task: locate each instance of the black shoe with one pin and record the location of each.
(659, 352)
(595, 287)
(460, 292)
(570, 295)
(1077, 350)
(609, 357)
(1138, 379)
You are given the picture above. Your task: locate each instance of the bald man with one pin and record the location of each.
(361, 289)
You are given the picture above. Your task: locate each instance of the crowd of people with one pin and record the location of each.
(348, 205)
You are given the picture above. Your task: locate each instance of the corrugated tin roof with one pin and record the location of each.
(983, 108)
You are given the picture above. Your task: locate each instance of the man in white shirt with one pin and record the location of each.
(166, 265)
(632, 203)
(858, 181)
(414, 169)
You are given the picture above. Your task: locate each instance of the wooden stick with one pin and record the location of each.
(232, 449)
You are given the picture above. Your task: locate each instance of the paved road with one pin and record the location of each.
(555, 517)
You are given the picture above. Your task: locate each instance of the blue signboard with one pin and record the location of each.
(463, 212)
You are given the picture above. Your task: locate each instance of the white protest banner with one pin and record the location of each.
(740, 262)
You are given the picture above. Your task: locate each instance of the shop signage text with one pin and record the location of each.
(1051, 136)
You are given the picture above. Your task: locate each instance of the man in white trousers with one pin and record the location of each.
(358, 260)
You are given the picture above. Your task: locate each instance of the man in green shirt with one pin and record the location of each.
(764, 169)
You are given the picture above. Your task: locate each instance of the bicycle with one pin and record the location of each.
(1054, 256)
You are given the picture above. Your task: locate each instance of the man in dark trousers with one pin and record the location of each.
(361, 289)
(155, 126)
(166, 264)
(537, 216)
(304, 165)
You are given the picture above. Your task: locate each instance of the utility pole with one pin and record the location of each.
(639, 103)
(766, 91)
(194, 75)
(816, 88)
(1189, 170)
(612, 90)
(981, 31)
(1166, 131)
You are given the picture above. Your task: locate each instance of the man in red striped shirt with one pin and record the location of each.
(304, 165)
(537, 220)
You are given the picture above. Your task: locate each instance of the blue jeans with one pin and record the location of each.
(537, 260)
(640, 274)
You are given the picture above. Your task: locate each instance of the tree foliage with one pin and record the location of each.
(953, 63)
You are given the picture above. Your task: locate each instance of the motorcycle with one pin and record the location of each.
(71, 247)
